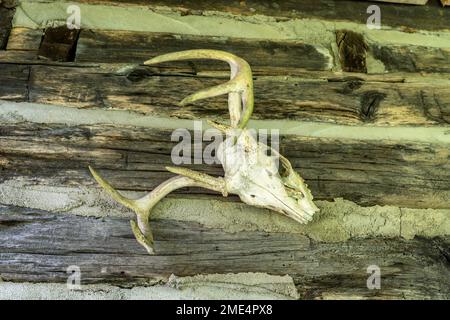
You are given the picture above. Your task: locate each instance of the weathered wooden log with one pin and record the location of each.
(416, 2)
(25, 39)
(134, 158)
(429, 17)
(6, 15)
(325, 97)
(267, 57)
(39, 246)
(136, 47)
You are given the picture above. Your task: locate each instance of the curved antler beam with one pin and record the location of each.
(239, 88)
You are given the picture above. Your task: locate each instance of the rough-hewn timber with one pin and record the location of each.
(282, 56)
(132, 158)
(6, 15)
(59, 44)
(39, 246)
(326, 97)
(267, 57)
(352, 51)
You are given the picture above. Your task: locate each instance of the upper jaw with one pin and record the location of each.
(301, 212)
(260, 183)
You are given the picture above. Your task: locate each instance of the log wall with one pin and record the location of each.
(378, 106)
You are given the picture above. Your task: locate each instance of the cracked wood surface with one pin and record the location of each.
(136, 47)
(283, 57)
(395, 15)
(133, 158)
(267, 57)
(348, 98)
(327, 97)
(38, 246)
(6, 16)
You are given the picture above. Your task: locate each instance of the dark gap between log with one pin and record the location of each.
(59, 44)
(352, 51)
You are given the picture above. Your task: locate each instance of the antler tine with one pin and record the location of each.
(143, 206)
(239, 88)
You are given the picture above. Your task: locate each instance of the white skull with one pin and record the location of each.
(255, 176)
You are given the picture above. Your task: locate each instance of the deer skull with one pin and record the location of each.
(255, 177)
(250, 172)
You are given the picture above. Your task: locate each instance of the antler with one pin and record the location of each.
(239, 88)
(143, 206)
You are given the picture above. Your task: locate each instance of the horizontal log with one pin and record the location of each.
(429, 17)
(364, 171)
(413, 58)
(137, 47)
(39, 246)
(59, 44)
(416, 2)
(267, 57)
(25, 39)
(325, 97)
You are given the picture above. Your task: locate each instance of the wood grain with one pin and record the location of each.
(277, 57)
(416, 2)
(39, 246)
(6, 15)
(367, 172)
(352, 50)
(429, 17)
(25, 39)
(14, 81)
(324, 97)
